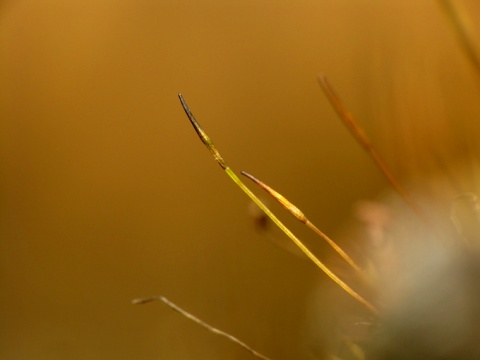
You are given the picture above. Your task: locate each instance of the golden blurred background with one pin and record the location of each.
(108, 195)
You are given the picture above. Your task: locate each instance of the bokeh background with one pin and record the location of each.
(107, 194)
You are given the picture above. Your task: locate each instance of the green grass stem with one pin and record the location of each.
(209, 143)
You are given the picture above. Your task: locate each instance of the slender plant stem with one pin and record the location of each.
(209, 143)
(199, 322)
(299, 215)
(363, 140)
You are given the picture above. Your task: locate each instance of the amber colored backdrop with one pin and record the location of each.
(107, 194)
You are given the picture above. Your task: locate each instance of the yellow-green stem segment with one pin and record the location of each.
(208, 142)
(299, 215)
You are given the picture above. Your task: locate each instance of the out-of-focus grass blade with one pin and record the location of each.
(363, 140)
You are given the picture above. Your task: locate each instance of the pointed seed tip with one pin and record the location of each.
(251, 177)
